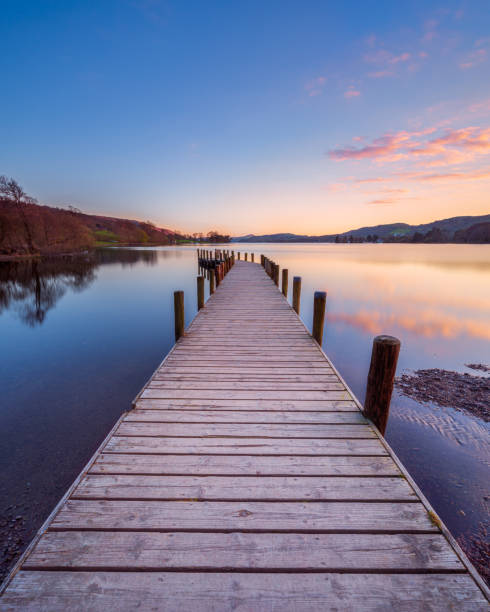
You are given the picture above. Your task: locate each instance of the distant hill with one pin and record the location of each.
(31, 229)
(456, 229)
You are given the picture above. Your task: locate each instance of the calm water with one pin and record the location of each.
(80, 336)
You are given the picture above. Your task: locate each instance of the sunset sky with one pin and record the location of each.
(249, 116)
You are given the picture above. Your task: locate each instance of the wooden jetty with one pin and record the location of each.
(245, 478)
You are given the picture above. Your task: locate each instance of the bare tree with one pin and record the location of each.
(12, 191)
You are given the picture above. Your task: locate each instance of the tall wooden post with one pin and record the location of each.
(253, 257)
(179, 314)
(285, 282)
(200, 292)
(296, 293)
(238, 255)
(246, 256)
(216, 275)
(381, 377)
(276, 274)
(211, 282)
(319, 315)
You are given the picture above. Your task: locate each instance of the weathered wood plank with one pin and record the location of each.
(244, 465)
(206, 551)
(312, 516)
(243, 416)
(246, 430)
(250, 385)
(228, 488)
(244, 395)
(258, 405)
(244, 446)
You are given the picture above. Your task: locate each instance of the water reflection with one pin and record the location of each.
(33, 287)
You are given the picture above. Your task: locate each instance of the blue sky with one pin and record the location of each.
(310, 117)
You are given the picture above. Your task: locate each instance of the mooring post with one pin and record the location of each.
(276, 274)
(381, 378)
(246, 256)
(216, 274)
(285, 282)
(238, 255)
(296, 293)
(179, 314)
(211, 282)
(200, 292)
(253, 257)
(319, 301)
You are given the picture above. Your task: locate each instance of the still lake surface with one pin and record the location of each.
(81, 335)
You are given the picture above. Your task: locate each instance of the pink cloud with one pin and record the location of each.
(446, 176)
(453, 146)
(315, 86)
(404, 57)
(377, 179)
(381, 201)
(474, 59)
(430, 30)
(382, 56)
(334, 187)
(380, 74)
(352, 92)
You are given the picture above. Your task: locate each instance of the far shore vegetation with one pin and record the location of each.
(28, 229)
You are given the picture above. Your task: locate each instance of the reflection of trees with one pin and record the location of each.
(126, 257)
(32, 287)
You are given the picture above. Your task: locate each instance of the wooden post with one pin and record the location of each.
(296, 293)
(318, 315)
(380, 380)
(216, 275)
(211, 282)
(285, 282)
(200, 292)
(179, 314)
(276, 274)
(238, 255)
(246, 256)
(253, 257)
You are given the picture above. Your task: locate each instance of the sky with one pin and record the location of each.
(311, 117)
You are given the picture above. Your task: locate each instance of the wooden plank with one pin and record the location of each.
(225, 551)
(298, 517)
(230, 385)
(244, 395)
(246, 430)
(257, 405)
(110, 463)
(228, 488)
(244, 446)
(243, 416)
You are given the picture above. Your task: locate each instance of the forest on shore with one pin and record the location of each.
(30, 229)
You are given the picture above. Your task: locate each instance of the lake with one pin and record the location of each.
(81, 335)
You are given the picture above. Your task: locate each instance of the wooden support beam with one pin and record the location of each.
(179, 314)
(296, 293)
(381, 377)
(319, 301)
(285, 282)
(200, 292)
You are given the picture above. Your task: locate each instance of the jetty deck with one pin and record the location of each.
(245, 478)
